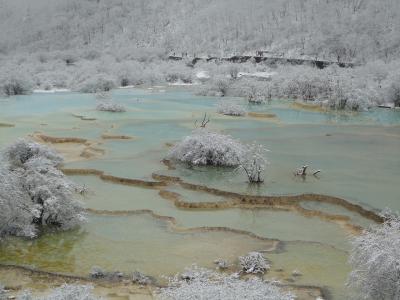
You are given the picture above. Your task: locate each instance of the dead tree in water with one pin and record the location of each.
(303, 171)
(204, 123)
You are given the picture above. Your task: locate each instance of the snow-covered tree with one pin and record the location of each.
(208, 148)
(255, 95)
(375, 258)
(34, 192)
(254, 163)
(394, 91)
(97, 83)
(15, 83)
(221, 85)
(200, 283)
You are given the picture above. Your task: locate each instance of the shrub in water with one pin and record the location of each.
(110, 106)
(230, 108)
(207, 148)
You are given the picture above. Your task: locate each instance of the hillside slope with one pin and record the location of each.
(344, 30)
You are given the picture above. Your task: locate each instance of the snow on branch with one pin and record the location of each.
(375, 260)
(207, 148)
(34, 192)
(253, 263)
(209, 285)
(254, 163)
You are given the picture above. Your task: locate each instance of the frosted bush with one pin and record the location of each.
(255, 92)
(207, 148)
(15, 84)
(97, 83)
(217, 86)
(393, 91)
(209, 285)
(177, 73)
(110, 106)
(230, 108)
(221, 264)
(130, 73)
(253, 263)
(17, 212)
(23, 151)
(33, 192)
(375, 260)
(254, 163)
(141, 278)
(65, 292)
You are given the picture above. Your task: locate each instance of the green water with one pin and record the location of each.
(283, 225)
(357, 154)
(127, 243)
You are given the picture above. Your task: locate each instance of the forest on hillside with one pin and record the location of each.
(345, 30)
(96, 45)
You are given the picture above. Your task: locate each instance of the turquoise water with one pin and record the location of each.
(356, 153)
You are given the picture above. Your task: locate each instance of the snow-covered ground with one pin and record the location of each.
(52, 91)
(260, 75)
(202, 75)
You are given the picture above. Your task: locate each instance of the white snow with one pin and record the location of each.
(262, 75)
(127, 87)
(51, 91)
(202, 75)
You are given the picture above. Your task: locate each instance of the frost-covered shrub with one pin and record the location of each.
(209, 285)
(394, 91)
(207, 148)
(65, 292)
(130, 73)
(178, 73)
(346, 97)
(253, 263)
(217, 86)
(222, 86)
(256, 93)
(33, 192)
(17, 212)
(15, 84)
(141, 278)
(375, 259)
(254, 163)
(221, 264)
(110, 106)
(230, 108)
(23, 151)
(97, 83)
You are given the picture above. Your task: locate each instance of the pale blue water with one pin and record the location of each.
(357, 153)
